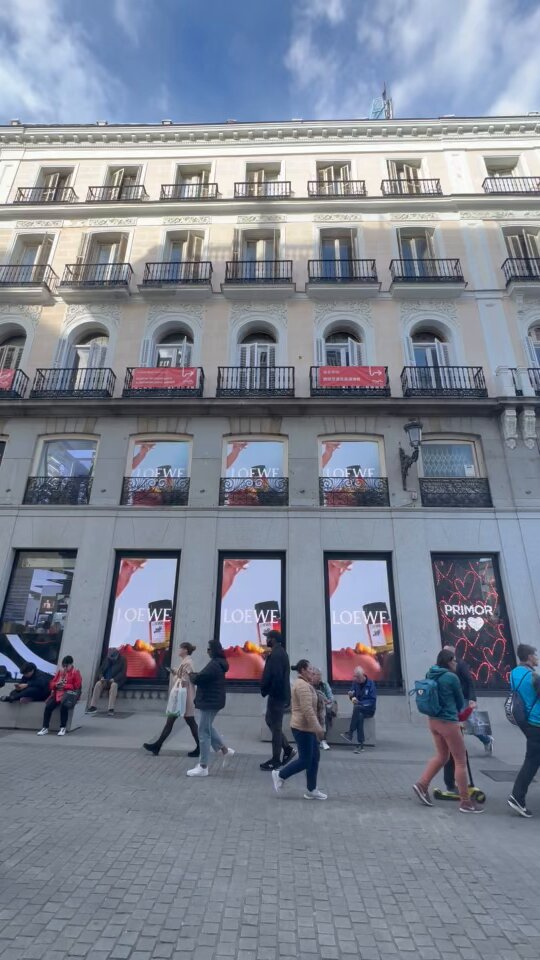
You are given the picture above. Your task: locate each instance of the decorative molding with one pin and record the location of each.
(162, 311)
(108, 314)
(509, 427)
(500, 215)
(527, 427)
(15, 310)
(271, 312)
(359, 310)
(42, 224)
(338, 217)
(104, 222)
(187, 220)
(262, 218)
(425, 309)
(415, 215)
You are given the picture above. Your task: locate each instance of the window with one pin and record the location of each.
(449, 458)
(340, 349)
(31, 254)
(11, 351)
(184, 247)
(337, 250)
(532, 344)
(259, 176)
(415, 251)
(429, 350)
(254, 473)
(501, 167)
(330, 177)
(257, 350)
(173, 351)
(407, 173)
(66, 457)
(522, 242)
(261, 248)
(54, 183)
(352, 472)
(160, 458)
(36, 608)
(123, 180)
(192, 181)
(90, 351)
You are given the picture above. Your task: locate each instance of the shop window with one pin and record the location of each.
(36, 608)
(254, 472)
(351, 471)
(158, 472)
(67, 457)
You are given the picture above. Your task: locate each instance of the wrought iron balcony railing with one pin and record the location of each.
(533, 374)
(126, 193)
(268, 190)
(534, 377)
(170, 382)
(336, 188)
(255, 382)
(354, 492)
(342, 271)
(349, 382)
(58, 491)
(258, 271)
(45, 195)
(104, 275)
(426, 271)
(189, 191)
(13, 384)
(92, 383)
(22, 275)
(455, 492)
(155, 491)
(521, 268)
(188, 272)
(411, 188)
(457, 382)
(511, 185)
(254, 492)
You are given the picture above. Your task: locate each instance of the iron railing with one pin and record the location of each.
(155, 491)
(23, 275)
(533, 374)
(13, 384)
(255, 381)
(189, 191)
(426, 270)
(188, 272)
(336, 188)
(58, 491)
(521, 268)
(93, 383)
(458, 382)
(372, 383)
(127, 192)
(511, 185)
(45, 195)
(342, 271)
(411, 188)
(254, 492)
(267, 190)
(354, 492)
(258, 271)
(104, 275)
(192, 385)
(455, 492)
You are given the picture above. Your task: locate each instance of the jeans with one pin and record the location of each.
(359, 714)
(530, 764)
(102, 685)
(208, 735)
(448, 739)
(50, 708)
(274, 721)
(307, 759)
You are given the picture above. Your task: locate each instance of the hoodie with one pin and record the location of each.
(450, 693)
(210, 683)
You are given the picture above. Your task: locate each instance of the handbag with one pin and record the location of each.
(69, 699)
(478, 724)
(176, 704)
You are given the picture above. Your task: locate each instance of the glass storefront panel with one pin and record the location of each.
(67, 457)
(160, 459)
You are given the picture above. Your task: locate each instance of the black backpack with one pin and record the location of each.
(515, 709)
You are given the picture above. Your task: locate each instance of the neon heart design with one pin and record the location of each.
(476, 623)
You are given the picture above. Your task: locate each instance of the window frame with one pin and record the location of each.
(478, 460)
(255, 438)
(155, 437)
(353, 438)
(48, 438)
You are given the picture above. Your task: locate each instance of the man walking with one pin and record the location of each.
(276, 685)
(464, 676)
(526, 682)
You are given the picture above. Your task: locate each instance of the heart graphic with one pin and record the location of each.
(476, 623)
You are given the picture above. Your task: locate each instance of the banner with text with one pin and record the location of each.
(164, 378)
(370, 378)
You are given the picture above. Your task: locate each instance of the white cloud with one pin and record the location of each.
(130, 15)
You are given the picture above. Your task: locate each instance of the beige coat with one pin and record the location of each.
(304, 708)
(182, 673)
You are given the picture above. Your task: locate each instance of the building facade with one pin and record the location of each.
(211, 340)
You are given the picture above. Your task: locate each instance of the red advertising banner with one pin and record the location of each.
(164, 378)
(352, 377)
(6, 379)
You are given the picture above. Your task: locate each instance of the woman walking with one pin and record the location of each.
(181, 676)
(209, 700)
(446, 732)
(307, 731)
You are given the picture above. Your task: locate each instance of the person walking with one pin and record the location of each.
(363, 696)
(446, 732)
(209, 700)
(526, 682)
(276, 685)
(65, 692)
(112, 675)
(327, 701)
(307, 731)
(466, 681)
(181, 675)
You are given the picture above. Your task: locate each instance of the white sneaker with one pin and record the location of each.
(43, 732)
(488, 747)
(62, 732)
(278, 782)
(324, 745)
(315, 795)
(228, 756)
(198, 771)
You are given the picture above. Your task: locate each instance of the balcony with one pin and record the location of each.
(13, 383)
(520, 185)
(27, 284)
(455, 492)
(94, 383)
(163, 382)
(332, 189)
(58, 491)
(189, 191)
(522, 276)
(268, 190)
(155, 492)
(82, 282)
(349, 382)
(255, 382)
(273, 279)
(254, 492)
(411, 188)
(435, 278)
(526, 381)
(335, 279)
(354, 492)
(45, 195)
(123, 194)
(191, 280)
(462, 383)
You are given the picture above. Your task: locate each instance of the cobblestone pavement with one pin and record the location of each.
(116, 854)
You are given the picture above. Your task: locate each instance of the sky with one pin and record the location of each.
(141, 61)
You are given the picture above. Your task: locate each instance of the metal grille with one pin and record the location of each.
(459, 382)
(511, 185)
(155, 491)
(342, 271)
(446, 459)
(97, 275)
(254, 492)
(58, 491)
(22, 275)
(336, 188)
(97, 382)
(266, 190)
(126, 192)
(412, 188)
(188, 272)
(255, 381)
(189, 191)
(258, 271)
(455, 492)
(441, 271)
(521, 268)
(45, 195)
(354, 492)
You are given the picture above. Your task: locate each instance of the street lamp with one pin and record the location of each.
(413, 429)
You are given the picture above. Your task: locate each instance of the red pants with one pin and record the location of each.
(448, 739)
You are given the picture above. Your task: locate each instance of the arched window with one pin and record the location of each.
(257, 349)
(11, 351)
(90, 351)
(532, 344)
(174, 350)
(428, 349)
(340, 349)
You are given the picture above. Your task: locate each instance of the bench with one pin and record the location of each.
(29, 716)
(340, 725)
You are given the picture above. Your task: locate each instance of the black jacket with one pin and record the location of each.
(118, 669)
(210, 683)
(275, 681)
(38, 688)
(465, 678)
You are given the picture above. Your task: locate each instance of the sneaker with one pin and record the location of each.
(324, 745)
(422, 795)
(152, 748)
(277, 781)
(194, 753)
(268, 765)
(92, 710)
(62, 732)
(110, 713)
(315, 795)
(488, 747)
(43, 732)
(288, 755)
(228, 756)
(470, 808)
(198, 771)
(347, 737)
(359, 748)
(518, 807)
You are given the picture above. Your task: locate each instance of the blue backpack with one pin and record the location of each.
(426, 693)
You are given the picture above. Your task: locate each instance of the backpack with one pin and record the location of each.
(426, 693)
(515, 709)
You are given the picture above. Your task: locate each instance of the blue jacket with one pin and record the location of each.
(529, 689)
(365, 693)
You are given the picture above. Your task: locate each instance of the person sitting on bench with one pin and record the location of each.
(65, 691)
(34, 685)
(112, 676)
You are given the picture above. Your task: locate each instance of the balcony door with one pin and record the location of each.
(331, 179)
(53, 184)
(416, 252)
(337, 254)
(192, 184)
(260, 255)
(261, 182)
(406, 175)
(104, 261)
(431, 357)
(123, 181)
(523, 245)
(32, 256)
(339, 350)
(173, 352)
(183, 256)
(257, 358)
(11, 352)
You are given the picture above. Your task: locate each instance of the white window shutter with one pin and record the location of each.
(236, 245)
(320, 352)
(186, 353)
(147, 353)
(443, 353)
(392, 170)
(64, 355)
(44, 252)
(97, 355)
(271, 355)
(410, 360)
(117, 177)
(530, 352)
(354, 353)
(121, 248)
(244, 355)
